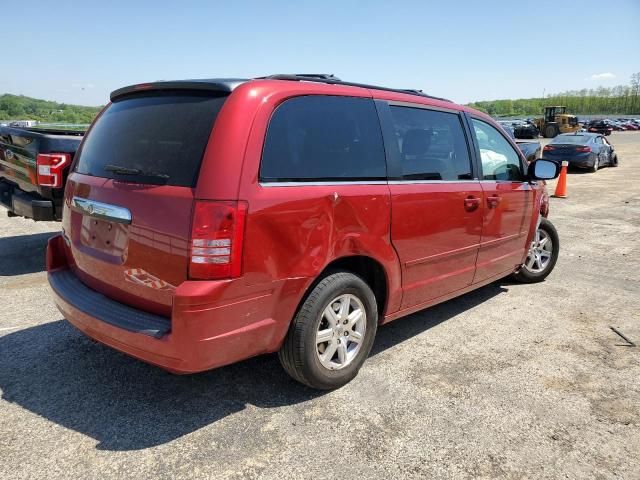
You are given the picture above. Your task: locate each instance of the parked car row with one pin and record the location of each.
(622, 124)
(526, 128)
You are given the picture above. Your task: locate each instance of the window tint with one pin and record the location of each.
(432, 144)
(323, 137)
(162, 137)
(565, 139)
(499, 159)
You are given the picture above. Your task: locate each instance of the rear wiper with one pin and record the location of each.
(120, 170)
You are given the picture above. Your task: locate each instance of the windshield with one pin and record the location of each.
(565, 139)
(151, 138)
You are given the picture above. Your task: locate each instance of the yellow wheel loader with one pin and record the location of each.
(556, 121)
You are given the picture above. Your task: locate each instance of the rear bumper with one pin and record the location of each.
(586, 162)
(26, 204)
(204, 331)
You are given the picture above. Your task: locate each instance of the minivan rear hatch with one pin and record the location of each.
(129, 199)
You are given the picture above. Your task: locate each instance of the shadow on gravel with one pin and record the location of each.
(23, 253)
(54, 371)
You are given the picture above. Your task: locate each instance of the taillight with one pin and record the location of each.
(217, 234)
(548, 148)
(583, 149)
(593, 130)
(50, 167)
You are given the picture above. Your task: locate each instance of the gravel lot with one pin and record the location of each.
(509, 381)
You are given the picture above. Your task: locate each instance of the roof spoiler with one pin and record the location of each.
(224, 85)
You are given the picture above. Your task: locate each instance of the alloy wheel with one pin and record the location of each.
(341, 331)
(540, 252)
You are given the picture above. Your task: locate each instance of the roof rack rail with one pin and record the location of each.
(333, 80)
(320, 76)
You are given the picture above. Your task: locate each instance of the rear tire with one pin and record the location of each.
(614, 161)
(545, 249)
(328, 340)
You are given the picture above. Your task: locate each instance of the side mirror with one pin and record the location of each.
(542, 169)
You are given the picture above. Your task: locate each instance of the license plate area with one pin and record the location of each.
(107, 238)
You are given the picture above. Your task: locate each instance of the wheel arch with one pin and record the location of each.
(366, 267)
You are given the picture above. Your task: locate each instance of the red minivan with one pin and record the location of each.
(209, 221)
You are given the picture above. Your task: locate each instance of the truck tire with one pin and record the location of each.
(332, 333)
(551, 131)
(543, 255)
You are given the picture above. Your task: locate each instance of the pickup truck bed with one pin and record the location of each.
(20, 192)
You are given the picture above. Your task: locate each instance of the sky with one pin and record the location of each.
(78, 52)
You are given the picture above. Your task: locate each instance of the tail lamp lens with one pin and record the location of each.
(217, 235)
(547, 148)
(583, 149)
(50, 168)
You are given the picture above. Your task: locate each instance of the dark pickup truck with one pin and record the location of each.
(34, 164)
(531, 150)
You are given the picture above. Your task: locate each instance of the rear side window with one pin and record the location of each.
(432, 144)
(319, 137)
(151, 139)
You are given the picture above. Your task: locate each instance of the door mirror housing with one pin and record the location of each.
(542, 169)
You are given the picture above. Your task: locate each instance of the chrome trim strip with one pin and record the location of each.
(381, 182)
(321, 184)
(418, 182)
(101, 210)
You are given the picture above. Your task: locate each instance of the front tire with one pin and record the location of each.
(543, 254)
(596, 164)
(332, 333)
(614, 161)
(551, 131)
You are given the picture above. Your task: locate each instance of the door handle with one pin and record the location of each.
(471, 203)
(493, 201)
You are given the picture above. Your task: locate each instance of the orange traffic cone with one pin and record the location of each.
(561, 187)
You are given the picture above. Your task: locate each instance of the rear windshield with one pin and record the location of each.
(571, 139)
(151, 138)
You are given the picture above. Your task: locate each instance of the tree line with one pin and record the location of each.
(19, 107)
(618, 100)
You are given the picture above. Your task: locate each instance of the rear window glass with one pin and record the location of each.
(571, 139)
(324, 138)
(151, 139)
